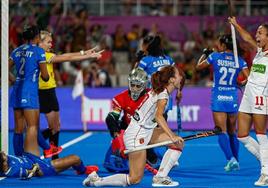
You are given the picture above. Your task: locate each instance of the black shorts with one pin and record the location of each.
(48, 100)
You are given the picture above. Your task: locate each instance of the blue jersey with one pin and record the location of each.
(151, 64)
(44, 164)
(225, 72)
(26, 58)
(18, 166)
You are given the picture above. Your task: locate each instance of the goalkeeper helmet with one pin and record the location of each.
(137, 81)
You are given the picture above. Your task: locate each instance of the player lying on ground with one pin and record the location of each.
(29, 165)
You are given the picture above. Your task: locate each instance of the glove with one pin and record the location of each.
(207, 51)
(118, 145)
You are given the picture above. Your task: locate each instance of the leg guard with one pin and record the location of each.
(114, 163)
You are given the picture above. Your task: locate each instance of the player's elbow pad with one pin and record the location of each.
(112, 124)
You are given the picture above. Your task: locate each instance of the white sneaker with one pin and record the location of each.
(232, 165)
(262, 181)
(91, 179)
(164, 182)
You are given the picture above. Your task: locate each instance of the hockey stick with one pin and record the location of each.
(151, 169)
(230, 7)
(216, 131)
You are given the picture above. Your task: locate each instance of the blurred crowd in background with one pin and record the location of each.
(72, 29)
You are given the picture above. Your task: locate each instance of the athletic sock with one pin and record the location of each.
(47, 133)
(263, 142)
(42, 142)
(224, 143)
(170, 158)
(81, 169)
(252, 145)
(18, 144)
(113, 180)
(234, 144)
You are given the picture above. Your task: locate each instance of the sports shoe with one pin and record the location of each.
(53, 150)
(232, 165)
(164, 182)
(262, 181)
(89, 170)
(91, 179)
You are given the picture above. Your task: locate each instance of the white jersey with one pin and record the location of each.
(259, 71)
(145, 115)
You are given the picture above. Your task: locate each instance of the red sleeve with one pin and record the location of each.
(118, 103)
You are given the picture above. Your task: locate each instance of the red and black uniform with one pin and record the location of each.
(122, 103)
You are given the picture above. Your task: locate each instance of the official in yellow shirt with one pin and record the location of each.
(47, 94)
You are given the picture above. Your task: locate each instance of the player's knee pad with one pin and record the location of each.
(114, 163)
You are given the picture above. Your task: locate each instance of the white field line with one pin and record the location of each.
(74, 141)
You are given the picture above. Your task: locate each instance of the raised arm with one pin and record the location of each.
(243, 33)
(202, 62)
(76, 56)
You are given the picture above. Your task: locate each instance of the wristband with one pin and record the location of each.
(82, 52)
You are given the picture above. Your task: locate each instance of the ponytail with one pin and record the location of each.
(160, 79)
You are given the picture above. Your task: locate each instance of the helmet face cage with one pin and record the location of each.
(137, 81)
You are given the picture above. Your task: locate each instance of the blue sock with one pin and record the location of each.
(18, 144)
(42, 142)
(224, 143)
(81, 169)
(234, 143)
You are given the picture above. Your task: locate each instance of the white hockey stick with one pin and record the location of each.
(216, 131)
(231, 9)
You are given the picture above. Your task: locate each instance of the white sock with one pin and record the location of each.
(170, 158)
(114, 180)
(252, 145)
(263, 141)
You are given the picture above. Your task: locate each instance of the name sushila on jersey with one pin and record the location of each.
(225, 63)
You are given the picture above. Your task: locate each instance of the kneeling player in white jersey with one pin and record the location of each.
(254, 105)
(142, 130)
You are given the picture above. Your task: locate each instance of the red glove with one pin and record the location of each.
(118, 145)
